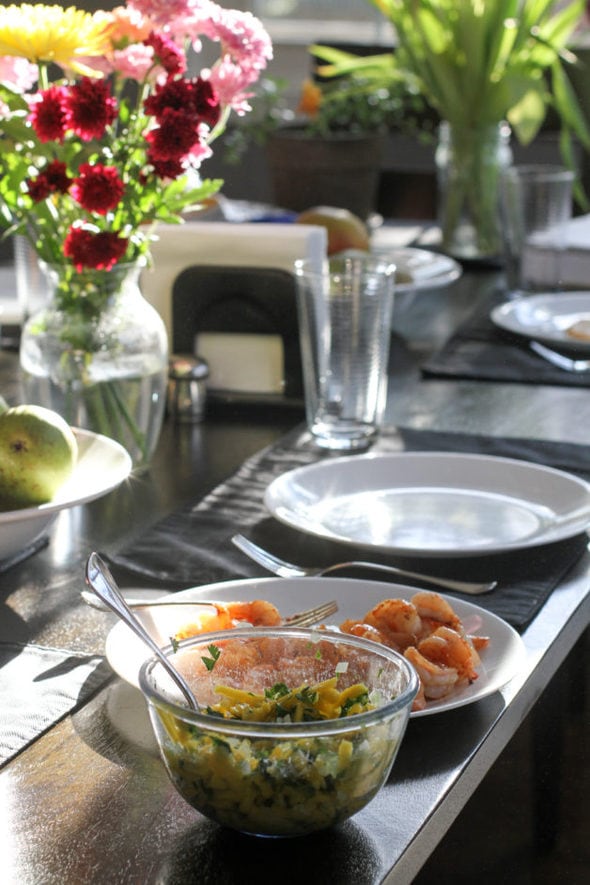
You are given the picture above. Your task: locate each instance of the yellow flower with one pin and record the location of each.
(42, 33)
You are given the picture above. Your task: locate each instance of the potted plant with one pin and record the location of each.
(482, 67)
(328, 150)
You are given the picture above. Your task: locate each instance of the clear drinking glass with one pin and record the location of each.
(536, 203)
(345, 329)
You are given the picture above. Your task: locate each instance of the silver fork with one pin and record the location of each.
(288, 570)
(306, 618)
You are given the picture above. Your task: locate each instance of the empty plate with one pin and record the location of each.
(431, 504)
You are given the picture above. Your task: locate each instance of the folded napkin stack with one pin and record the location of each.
(574, 260)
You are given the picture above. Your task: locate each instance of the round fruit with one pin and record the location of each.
(345, 230)
(38, 451)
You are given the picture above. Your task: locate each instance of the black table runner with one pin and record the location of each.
(193, 545)
(479, 350)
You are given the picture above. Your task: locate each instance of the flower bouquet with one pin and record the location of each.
(103, 134)
(479, 65)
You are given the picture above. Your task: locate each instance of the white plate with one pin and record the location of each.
(431, 504)
(499, 662)
(101, 466)
(419, 268)
(546, 318)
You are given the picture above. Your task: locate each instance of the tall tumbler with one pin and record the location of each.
(345, 330)
(536, 204)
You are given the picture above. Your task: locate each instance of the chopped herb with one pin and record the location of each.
(174, 643)
(307, 695)
(214, 652)
(278, 690)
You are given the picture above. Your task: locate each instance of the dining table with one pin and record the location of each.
(85, 797)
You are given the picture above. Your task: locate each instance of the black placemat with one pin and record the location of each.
(480, 351)
(38, 687)
(193, 546)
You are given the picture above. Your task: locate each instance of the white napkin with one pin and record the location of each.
(570, 264)
(217, 243)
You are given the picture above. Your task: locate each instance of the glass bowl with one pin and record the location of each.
(287, 777)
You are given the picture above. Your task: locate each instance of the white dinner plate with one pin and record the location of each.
(499, 662)
(547, 318)
(419, 268)
(431, 504)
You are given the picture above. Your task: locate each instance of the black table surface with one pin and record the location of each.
(88, 801)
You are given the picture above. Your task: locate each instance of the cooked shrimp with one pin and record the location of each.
(479, 642)
(397, 620)
(224, 616)
(434, 611)
(449, 648)
(436, 680)
(365, 631)
(259, 613)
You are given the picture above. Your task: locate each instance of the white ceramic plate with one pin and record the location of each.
(547, 318)
(101, 466)
(500, 661)
(431, 504)
(419, 268)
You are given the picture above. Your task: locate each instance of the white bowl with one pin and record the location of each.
(101, 466)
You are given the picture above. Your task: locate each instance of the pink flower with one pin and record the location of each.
(136, 62)
(17, 73)
(231, 83)
(243, 37)
(164, 12)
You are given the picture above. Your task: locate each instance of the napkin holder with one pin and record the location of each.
(226, 292)
(243, 322)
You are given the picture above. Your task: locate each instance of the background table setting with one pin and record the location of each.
(171, 530)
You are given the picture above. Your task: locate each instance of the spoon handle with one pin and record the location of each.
(99, 578)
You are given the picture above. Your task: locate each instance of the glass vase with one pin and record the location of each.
(469, 164)
(97, 354)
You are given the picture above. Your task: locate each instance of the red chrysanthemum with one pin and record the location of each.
(98, 250)
(49, 116)
(91, 108)
(174, 138)
(53, 179)
(206, 102)
(98, 188)
(167, 53)
(196, 98)
(166, 168)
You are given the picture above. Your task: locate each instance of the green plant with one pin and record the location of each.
(327, 108)
(477, 62)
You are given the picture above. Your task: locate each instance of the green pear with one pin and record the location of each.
(38, 452)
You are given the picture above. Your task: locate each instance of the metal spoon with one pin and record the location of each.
(100, 579)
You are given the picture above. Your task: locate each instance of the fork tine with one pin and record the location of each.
(312, 616)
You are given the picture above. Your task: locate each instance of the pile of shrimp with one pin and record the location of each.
(425, 629)
(428, 632)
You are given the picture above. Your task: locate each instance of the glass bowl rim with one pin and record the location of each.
(283, 730)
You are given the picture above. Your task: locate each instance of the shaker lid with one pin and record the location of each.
(187, 367)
